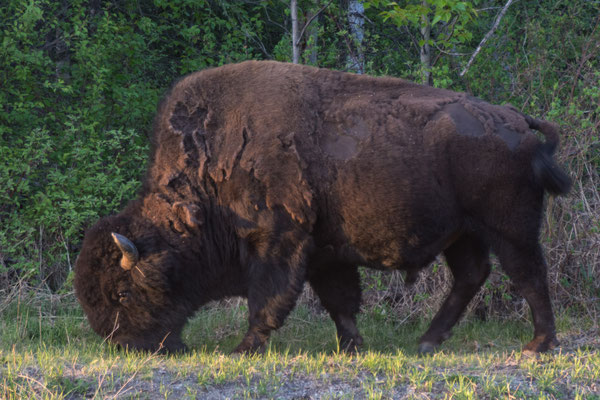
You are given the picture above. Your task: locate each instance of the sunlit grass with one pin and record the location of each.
(48, 351)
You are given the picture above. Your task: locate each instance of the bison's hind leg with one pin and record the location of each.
(338, 286)
(468, 259)
(525, 265)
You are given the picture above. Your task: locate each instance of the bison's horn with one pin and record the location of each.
(130, 253)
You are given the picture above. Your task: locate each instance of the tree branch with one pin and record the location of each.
(311, 20)
(487, 36)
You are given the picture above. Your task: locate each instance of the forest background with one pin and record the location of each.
(80, 81)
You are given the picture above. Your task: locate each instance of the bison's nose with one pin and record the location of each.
(158, 347)
(176, 348)
(128, 344)
(173, 344)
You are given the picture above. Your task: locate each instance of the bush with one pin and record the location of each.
(80, 81)
(80, 84)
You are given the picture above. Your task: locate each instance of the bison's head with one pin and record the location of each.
(129, 285)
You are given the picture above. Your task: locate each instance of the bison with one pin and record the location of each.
(267, 175)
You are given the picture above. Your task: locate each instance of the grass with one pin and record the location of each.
(48, 351)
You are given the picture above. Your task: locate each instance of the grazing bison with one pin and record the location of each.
(266, 175)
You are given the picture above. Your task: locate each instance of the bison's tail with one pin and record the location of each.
(547, 173)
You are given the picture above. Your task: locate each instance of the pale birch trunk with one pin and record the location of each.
(295, 39)
(356, 21)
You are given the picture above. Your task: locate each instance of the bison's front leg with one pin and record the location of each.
(277, 273)
(338, 286)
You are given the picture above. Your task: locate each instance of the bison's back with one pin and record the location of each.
(383, 165)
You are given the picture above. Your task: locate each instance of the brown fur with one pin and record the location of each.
(264, 175)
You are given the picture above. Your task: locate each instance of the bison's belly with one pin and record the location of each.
(387, 235)
(392, 246)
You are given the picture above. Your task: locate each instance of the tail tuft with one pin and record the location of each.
(547, 173)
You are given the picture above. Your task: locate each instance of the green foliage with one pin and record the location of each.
(79, 89)
(449, 18)
(80, 82)
(61, 167)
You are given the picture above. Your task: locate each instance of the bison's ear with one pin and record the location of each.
(188, 213)
(130, 252)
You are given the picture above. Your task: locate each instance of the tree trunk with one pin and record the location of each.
(313, 38)
(356, 21)
(295, 39)
(425, 48)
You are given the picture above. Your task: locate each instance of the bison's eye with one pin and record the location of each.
(123, 296)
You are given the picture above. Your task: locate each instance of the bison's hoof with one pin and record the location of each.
(248, 350)
(351, 346)
(173, 349)
(426, 348)
(540, 344)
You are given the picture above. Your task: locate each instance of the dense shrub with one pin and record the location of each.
(80, 84)
(80, 80)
